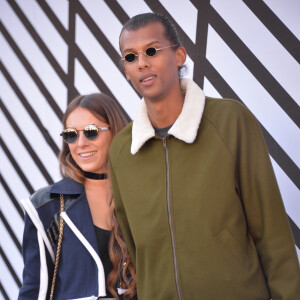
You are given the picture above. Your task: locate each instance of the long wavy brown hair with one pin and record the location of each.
(104, 108)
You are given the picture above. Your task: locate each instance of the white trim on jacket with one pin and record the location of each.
(44, 240)
(91, 250)
(185, 127)
(33, 214)
(44, 269)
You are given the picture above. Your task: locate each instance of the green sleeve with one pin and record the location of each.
(267, 220)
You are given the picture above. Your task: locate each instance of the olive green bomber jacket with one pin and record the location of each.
(200, 210)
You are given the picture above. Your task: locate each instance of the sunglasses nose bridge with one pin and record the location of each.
(142, 59)
(143, 52)
(82, 139)
(80, 136)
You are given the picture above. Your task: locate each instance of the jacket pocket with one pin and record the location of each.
(232, 246)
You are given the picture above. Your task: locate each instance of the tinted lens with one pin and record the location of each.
(130, 57)
(69, 136)
(151, 51)
(91, 132)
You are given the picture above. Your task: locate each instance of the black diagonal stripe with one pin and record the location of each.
(287, 39)
(156, 6)
(30, 110)
(271, 85)
(55, 65)
(101, 38)
(71, 54)
(26, 143)
(69, 37)
(10, 231)
(99, 35)
(54, 20)
(78, 53)
(10, 268)
(11, 196)
(31, 72)
(296, 232)
(201, 40)
(16, 166)
(118, 11)
(97, 79)
(278, 154)
(3, 291)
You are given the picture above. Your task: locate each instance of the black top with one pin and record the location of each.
(162, 132)
(103, 237)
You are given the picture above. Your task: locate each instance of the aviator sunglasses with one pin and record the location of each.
(151, 51)
(90, 131)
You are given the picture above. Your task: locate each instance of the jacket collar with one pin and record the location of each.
(67, 186)
(185, 127)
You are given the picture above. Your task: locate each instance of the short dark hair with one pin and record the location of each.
(144, 19)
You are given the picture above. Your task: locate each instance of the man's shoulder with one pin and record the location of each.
(123, 138)
(213, 104)
(225, 108)
(229, 116)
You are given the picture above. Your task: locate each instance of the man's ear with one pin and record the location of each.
(180, 56)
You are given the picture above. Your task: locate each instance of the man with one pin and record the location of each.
(194, 190)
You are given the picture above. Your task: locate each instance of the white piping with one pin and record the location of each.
(121, 291)
(32, 213)
(86, 298)
(91, 250)
(43, 270)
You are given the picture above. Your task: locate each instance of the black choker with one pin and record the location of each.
(95, 176)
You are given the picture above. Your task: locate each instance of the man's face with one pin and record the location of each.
(152, 76)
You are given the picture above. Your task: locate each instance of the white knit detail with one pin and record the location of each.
(185, 127)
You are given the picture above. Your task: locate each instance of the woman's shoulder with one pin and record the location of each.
(41, 197)
(48, 194)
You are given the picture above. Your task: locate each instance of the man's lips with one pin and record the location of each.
(147, 77)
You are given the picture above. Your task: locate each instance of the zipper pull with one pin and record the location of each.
(165, 143)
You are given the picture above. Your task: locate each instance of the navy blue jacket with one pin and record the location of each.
(80, 272)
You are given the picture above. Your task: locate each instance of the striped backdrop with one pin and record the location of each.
(52, 50)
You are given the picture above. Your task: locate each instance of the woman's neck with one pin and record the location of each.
(96, 188)
(98, 194)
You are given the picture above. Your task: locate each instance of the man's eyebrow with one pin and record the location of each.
(149, 44)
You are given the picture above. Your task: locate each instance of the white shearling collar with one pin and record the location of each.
(185, 127)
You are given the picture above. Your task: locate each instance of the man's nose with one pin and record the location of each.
(143, 59)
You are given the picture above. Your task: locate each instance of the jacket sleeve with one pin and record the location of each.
(122, 216)
(35, 276)
(265, 213)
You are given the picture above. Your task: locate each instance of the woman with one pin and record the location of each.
(73, 256)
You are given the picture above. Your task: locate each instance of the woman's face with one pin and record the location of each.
(90, 156)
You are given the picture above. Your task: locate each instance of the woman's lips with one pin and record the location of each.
(86, 155)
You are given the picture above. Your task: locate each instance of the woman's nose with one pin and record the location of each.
(82, 140)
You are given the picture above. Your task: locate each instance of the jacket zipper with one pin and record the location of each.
(165, 145)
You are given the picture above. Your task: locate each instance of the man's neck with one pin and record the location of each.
(165, 112)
